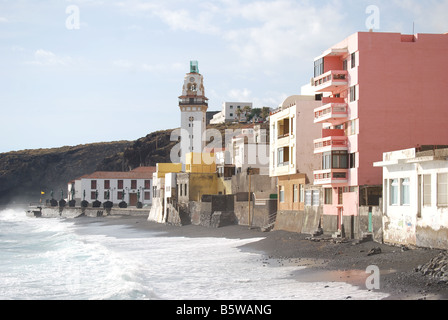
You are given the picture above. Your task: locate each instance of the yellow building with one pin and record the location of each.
(200, 162)
(164, 168)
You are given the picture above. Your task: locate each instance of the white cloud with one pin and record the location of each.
(3, 20)
(282, 29)
(47, 58)
(270, 99)
(429, 15)
(240, 95)
(122, 63)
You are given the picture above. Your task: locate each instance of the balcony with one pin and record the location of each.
(331, 177)
(193, 102)
(333, 140)
(334, 113)
(331, 81)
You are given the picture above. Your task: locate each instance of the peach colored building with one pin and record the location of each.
(380, 92)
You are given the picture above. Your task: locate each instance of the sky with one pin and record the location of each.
(83, 71)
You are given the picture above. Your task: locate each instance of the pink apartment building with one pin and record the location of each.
(380, 92)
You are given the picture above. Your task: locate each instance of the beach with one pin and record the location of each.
(325, 260)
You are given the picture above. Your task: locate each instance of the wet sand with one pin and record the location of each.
(324, 260)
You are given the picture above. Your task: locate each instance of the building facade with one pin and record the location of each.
(132, 187)
(250, 149)
(292, 159)
(292, 131)
(415, 197)
(380, 92)
(193, 106)
(230, 113)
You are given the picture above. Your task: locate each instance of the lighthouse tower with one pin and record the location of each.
(193, 106)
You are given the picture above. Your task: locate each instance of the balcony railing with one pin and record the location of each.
(283, 164)
(331, 143)
(334, 113)
(331, 80)
(330, 176)
(283, 135)
(193, 103)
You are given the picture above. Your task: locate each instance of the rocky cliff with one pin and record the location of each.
(24, 174)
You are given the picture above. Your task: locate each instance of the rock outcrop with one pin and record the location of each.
(436, 268)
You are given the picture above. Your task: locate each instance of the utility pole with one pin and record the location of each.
(249, 171)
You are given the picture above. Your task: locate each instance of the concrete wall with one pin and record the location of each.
(257, 212)
(201, 212)
(74, 212)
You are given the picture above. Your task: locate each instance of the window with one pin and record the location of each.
(326, 160)
(282, 156)
(328, 196)
(93, 195)
(352, 160)
(344, 65)
(427, 190)
(318, 67)
(231, 114)
(352, 93)
(339, 160)
(442, 189)
(106, 184)
(335, 160)
(393, 191)
(120, 184)
(350, 127)
(147, 184)
(185, 190)
(353, 58)
(340, 195)
(93, 184)
(404, 191)
(295, 193)
(281, 193)
(315, 197)
(302, 193)
(133, 184)
(147, 195)
(308, 198)
(120, 195)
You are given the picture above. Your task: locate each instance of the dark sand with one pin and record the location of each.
(325, 260)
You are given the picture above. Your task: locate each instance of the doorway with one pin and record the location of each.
(132, 199)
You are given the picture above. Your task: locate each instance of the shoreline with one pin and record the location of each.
(324, 260)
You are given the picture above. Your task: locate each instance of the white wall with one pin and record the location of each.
(401, 223)
(86, 185)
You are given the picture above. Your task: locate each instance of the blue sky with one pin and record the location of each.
(118, 75)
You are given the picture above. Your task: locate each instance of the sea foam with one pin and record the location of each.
(60, 259)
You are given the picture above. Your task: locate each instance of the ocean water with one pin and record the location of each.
(48, 259)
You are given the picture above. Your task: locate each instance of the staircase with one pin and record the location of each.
(272, 217)
(365, 237)
(337, 234)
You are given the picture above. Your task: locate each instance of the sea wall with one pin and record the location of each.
(75, 212)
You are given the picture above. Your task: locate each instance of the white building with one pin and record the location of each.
(132, 187)
(292, 130)
(415, 197)
(250, 149)
(193, 106)
(229, 112)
